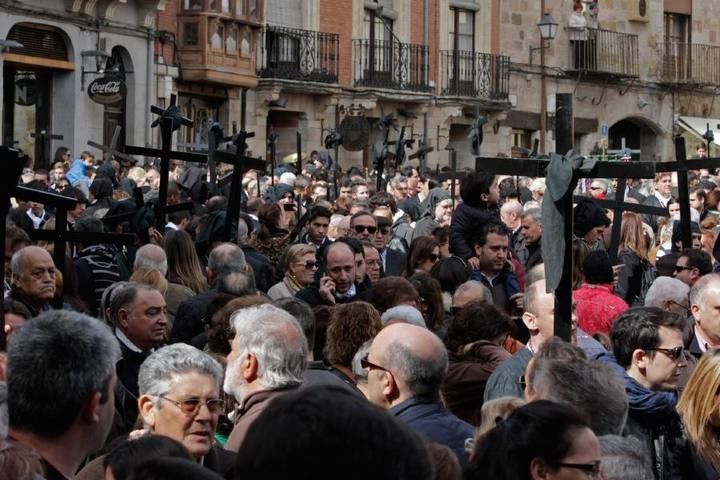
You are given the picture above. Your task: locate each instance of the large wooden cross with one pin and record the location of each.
(537, 168)
(111, 151)
(43, 139)
(169, 120)
(216, 136)
(682, 165)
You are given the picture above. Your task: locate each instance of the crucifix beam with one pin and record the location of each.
(112, 151)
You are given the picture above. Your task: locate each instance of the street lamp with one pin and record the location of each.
(548, 29)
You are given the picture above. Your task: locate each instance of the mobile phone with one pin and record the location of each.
(289, 206)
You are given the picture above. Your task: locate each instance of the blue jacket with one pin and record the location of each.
(437, 425)
(77, 175)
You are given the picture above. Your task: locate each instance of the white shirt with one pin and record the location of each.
(126, 341)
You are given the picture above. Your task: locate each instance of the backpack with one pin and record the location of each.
(649, 273)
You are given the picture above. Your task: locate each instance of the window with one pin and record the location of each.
(521, 138)
(231, 40)
(216, 41)
(253, 10)
(190, 34)
(462, 30)
(194, 5)
(240, 8)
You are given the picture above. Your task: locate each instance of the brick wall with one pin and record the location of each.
(167, 20)
(336, 17)
(416, 31)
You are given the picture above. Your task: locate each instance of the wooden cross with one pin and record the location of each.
(421, 154)
(241, 163)
(215, 138)
(43, 139)
(681, 165)
(112, 151)
(272, 143)
(169, 120)
(537, 168)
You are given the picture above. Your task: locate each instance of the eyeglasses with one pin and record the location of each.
(672, 353)
(365, 363)
(310, 265)
(680, 268)
(191, 406)
(385, 230)
(592, 468)
(369, 228)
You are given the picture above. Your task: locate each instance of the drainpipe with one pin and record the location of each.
(149, 87)
(426, 37)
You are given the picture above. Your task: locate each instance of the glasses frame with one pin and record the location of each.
(308, 265)
(365, 363)
(593, 468)
(674, 354)
(371, 229)
(220, 402)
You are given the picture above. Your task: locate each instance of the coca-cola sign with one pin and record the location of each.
(107, 90)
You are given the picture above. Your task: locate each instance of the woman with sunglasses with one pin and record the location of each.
(180, 389)
(300, 267)
(699, 409)
(424, 253)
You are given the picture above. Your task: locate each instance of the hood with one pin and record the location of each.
(436, 196)
(76, 172)
(643, 402)
(275, 193)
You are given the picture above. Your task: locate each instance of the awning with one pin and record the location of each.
(699, 125)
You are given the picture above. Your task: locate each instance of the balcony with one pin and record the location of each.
(691, 64)
(297, 54)
(391, 64)
(476, 75)
(217, 42)
(598, 52)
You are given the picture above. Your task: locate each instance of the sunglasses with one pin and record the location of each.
(365, 363)
(385, 230)
(191, 406)
(680, 268)
(310, 265)
(369, 228)
(673, 354)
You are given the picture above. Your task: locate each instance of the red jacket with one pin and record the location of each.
(597, 307)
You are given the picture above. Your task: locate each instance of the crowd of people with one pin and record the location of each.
(346, 332)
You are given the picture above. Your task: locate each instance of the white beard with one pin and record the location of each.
(234, 384)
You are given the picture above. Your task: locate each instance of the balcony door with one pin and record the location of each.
(677, 62)
(462, 70)
(378, 29)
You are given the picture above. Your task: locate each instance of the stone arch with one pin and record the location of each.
(640, 133)
(42, 41)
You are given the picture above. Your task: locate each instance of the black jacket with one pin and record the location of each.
(466, 221)
(188, 320)
(311, 295)
(262, 269)
(394, 263)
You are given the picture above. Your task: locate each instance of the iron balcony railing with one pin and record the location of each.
(471, 74)
(297, 54)
(391, 64)
(603, 51)
(691, 63)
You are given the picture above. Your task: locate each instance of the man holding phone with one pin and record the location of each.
(338, 284)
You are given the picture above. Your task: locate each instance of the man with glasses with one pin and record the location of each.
(692, 264)
(363, 226)
(705, 309)
(392, 260)
(406, 365)
(648, 345)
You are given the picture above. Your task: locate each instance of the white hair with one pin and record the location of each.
(157, 371)
(276, 339)
(405, 314)
(151, 257)
(664, 289)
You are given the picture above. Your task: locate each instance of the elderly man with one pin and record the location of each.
(152, 257)
(363, 226)
(339, 285)
(138, 313)
(705, 309)
(268, 357)
(531, 225)
(669, 294)
(372, 261)
(407, 365)
(33, 280)
(65, 413)
(471, 291)
(223, 259)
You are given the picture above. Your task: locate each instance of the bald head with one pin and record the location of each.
(416, 357)
(471, 291)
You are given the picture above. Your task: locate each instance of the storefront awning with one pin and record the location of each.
(697, 126)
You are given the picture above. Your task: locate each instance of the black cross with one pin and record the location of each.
(272, 143)
(241, 164)
(112, 151)
(216, 136)
(169, 120)
(537, 168)
(380, 150)
(422, 150)
(43, 139)
(618, 206)
(681, 165)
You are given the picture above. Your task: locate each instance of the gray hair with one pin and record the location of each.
(124, 297)
(593, 387)
(56, 363)
(237, 284)
(396, 180)
(664, 289)
(151, 257)
(158, 370)
(423, 376)
(486, 295)
(226, 258)
(361, 375)
(16, 261)
(304, 315)
(534, 213)
(697, 292)
(624, 457)
(405, 314)
(276, 339)
(106, 301)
